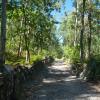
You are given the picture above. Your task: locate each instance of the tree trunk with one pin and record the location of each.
(89, 37)
(27, 49)
(98, 31)
(19, 49)
(76, 22)
(81, 34)
(27, 56)
(3, 33)
(26, 37)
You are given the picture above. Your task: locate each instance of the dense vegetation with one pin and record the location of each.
(80, 31)
(29, 33)
(30, 30)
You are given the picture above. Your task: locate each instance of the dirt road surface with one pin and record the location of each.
(60, 84)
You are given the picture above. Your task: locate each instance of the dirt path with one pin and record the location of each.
(59, 84)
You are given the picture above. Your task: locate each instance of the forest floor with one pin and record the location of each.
(60, 84)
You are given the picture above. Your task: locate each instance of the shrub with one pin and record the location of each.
(71, 53)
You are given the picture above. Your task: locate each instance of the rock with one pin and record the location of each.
(1, 79)
(8, 68)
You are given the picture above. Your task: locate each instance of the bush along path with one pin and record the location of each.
(57, 83)
(12, 80)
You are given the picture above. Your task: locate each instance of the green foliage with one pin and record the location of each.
(71, 53)
(59, 53)
(71, 28)
(36, 58)
(30, 28)
(12, 59)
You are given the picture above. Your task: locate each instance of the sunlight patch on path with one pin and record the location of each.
(61, 85)
(60, 66)
(50, 80)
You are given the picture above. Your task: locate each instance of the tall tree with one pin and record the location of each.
(76, 21)
(82, 32)
(3, 33)
(90, 27)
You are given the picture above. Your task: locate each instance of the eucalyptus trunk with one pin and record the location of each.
(3, 33)
(82, 33)
(19, 48)
(76, 22)
(26, 32)
(89, 37)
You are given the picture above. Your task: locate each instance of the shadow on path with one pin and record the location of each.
(59, 84)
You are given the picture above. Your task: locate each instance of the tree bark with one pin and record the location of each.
(3, 33)
(89, 37)
(81, 34)
(27, 56)
(76, 22)
(19, 49)
(26, 37)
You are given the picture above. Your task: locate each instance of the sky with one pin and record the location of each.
(67, 7)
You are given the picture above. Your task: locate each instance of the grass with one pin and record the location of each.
(12, 59)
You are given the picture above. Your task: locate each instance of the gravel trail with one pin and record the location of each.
(60, 84)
